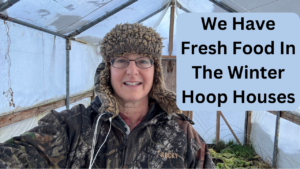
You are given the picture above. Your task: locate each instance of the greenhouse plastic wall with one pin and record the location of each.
(263, 134)
(28, 58)
(33, 66)
(206, 125)
(33, 72)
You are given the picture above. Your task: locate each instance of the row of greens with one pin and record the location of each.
(234, 155)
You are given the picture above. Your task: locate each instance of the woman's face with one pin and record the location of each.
(132, 84)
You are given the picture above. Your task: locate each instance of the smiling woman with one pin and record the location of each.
(131, 83)
(133, 122)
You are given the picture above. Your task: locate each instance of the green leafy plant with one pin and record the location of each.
(220, 146)
(233, 155)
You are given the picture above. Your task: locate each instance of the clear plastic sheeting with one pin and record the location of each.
(263, 134)
(66, 16)
(264, 6)
(205, 125)
(130, 14)
(21, 127)
(296, 112)
(197, 6)
(164, 26)
(150, 22)
(83, 64)
(163, 29)
(61, 16)
(33, 68)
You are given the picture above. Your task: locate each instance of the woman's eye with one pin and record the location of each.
(121, 61)
(143, 61)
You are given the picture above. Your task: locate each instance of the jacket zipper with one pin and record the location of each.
(127, 138)
(125, 144)
(125, 150)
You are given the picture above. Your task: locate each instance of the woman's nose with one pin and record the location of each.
(132, 68)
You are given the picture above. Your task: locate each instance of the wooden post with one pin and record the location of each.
(186, 113)
(169, 71)
(218, 127)
(249, 125)
(245, 128)
(168, 57)
(275, 150)
(171, 29)
(230, 128)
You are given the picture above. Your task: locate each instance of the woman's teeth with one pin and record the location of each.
(132, 83)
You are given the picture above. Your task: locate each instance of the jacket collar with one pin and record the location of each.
(155, 110)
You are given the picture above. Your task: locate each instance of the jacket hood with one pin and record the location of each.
(122, 40)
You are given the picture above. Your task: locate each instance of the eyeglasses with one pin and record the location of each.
(122, 62)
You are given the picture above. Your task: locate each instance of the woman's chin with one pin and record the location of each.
(133, 99)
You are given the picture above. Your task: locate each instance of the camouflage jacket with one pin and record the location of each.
(63, 140)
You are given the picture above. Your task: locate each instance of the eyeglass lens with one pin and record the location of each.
(142, 62)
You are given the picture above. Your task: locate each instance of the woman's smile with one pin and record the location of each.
(132, 83)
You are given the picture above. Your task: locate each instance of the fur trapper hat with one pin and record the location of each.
(125, 39)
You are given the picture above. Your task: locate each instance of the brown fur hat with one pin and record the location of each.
(124, 39)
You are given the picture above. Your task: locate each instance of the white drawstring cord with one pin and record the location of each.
(103, 141)
(94, 142)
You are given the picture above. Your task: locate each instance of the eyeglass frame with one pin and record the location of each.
(152, 63)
